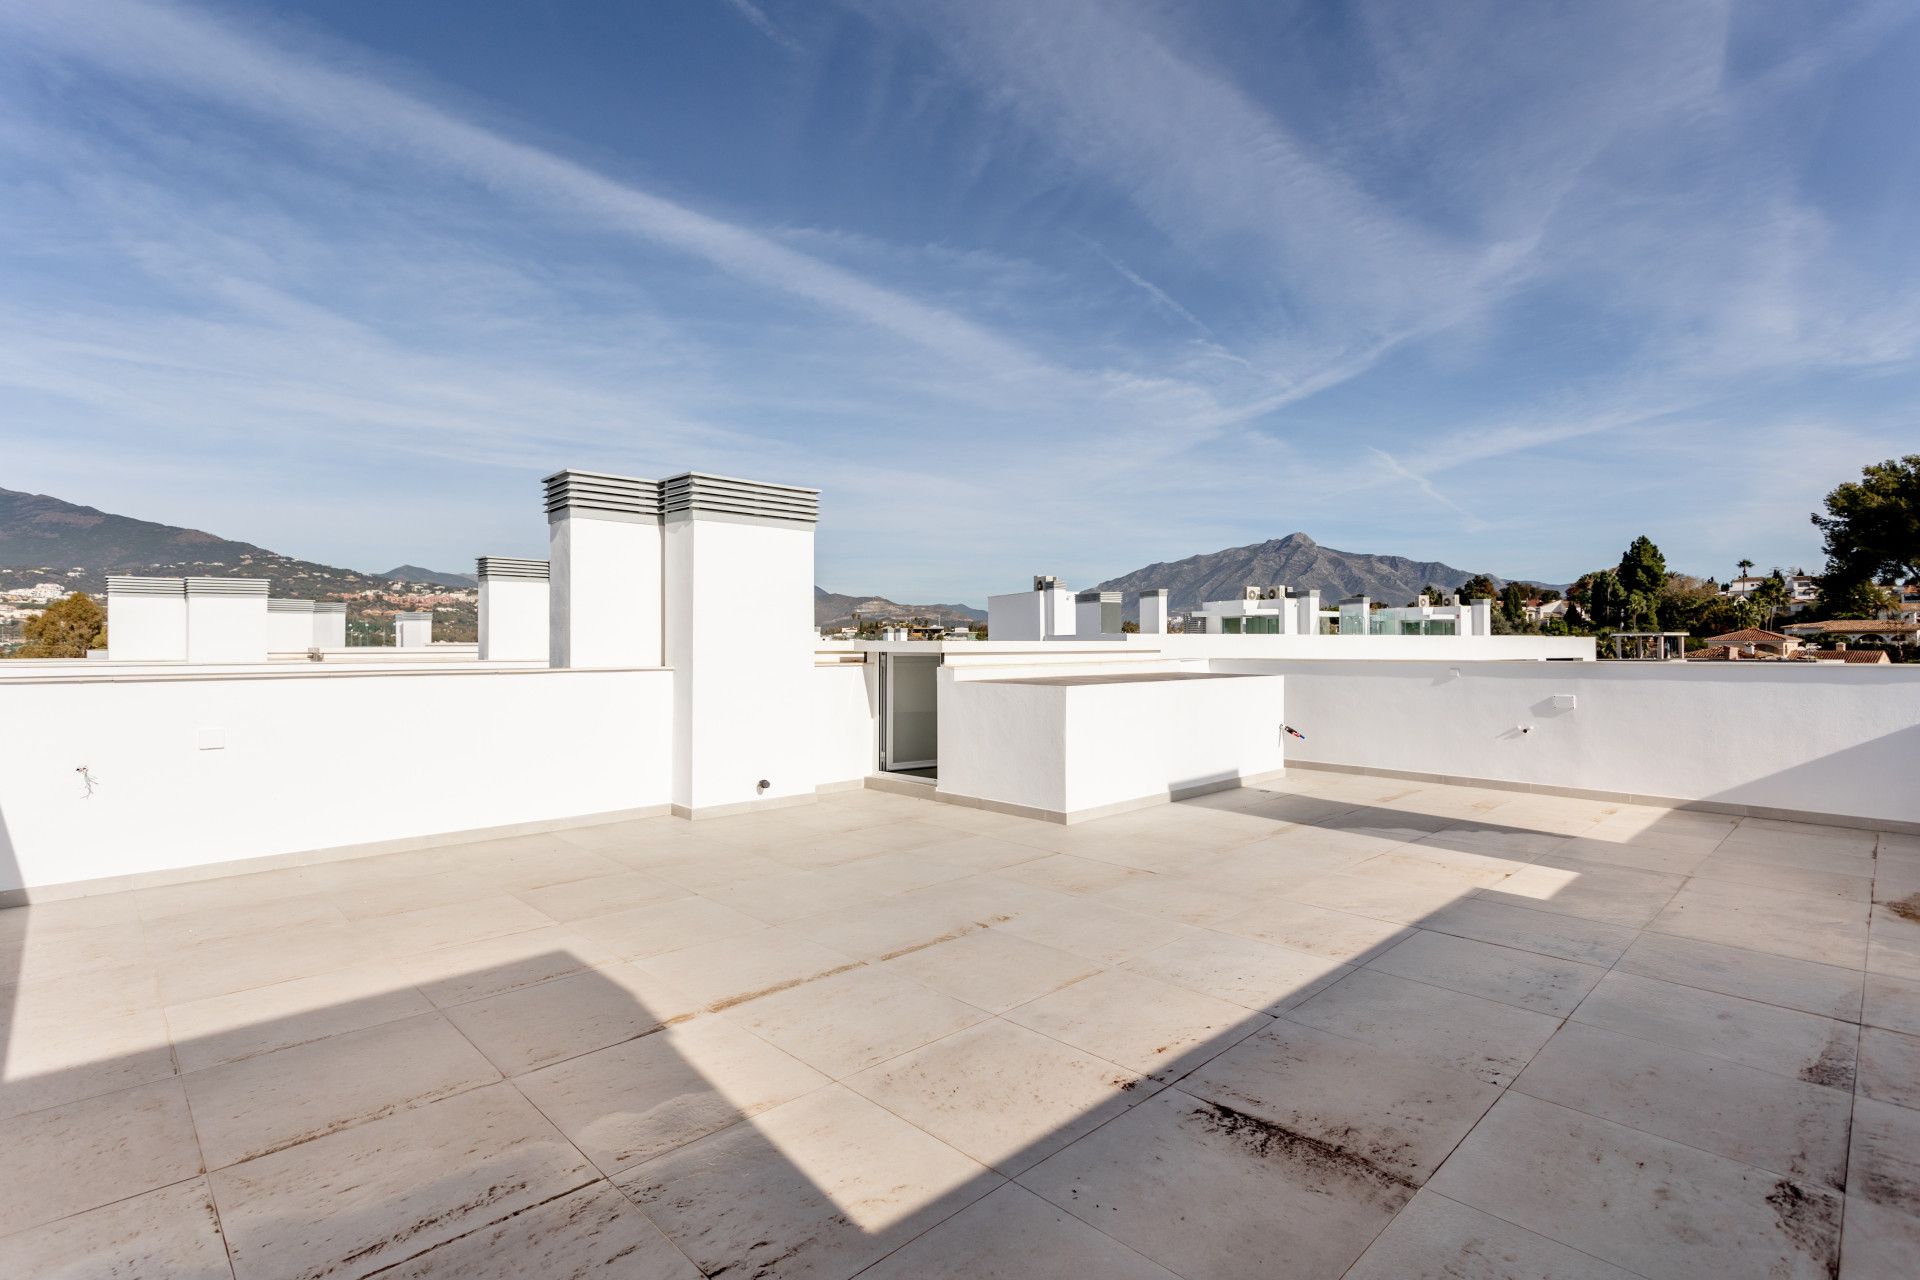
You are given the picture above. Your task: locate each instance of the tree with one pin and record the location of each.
(1872, 531)
(1513, 603)
(1599, 598)
(1745, 567)
(1478, 587)
(1770, 597)
(1643, 570)
(66, 629)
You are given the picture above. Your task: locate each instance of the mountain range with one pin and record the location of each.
(1296, 562)
(44, 537)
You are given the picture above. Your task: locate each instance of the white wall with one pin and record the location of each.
(329, 629)
(1813, 738)
(513, 619)
(198, 768)
(845, 722)
(740, 640)
(1068, 748)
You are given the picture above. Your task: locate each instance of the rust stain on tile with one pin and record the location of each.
(788, 985)
(1325, 1161)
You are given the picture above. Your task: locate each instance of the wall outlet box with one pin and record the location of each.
(1564, 701)
(213, 739)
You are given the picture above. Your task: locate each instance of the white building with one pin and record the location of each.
(684, 676)
(1275, 611)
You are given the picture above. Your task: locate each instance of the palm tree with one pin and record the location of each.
(1744, 566)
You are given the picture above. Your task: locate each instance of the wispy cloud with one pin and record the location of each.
(758, 19)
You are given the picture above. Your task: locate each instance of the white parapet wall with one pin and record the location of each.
(513, 615)
(146, 619)
(155, 774)
(845, 717)
(1775, 739)
(1073, 746)
(226, 620)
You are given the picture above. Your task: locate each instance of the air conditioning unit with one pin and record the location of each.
(1045, 582)
(1252, 593)
(1271, 593)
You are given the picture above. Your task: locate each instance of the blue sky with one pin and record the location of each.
(1063, 287)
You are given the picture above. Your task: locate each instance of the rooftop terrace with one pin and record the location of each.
(1337, 1026)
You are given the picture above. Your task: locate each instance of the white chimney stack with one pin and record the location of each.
(146, 619)
(289, 625)
(1153, 612)
(412, 630)
(604, 532)
(514, 625)
(329, 624)
(226, 619)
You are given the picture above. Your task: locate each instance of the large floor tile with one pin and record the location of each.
(1524, 979)
(1653, 1206)
(494, 966)
(172, 1232)
(534, 1026)
(594, 1233)
(1893, 945)
(599, 895)
(176, 934)
(1879, 1243)
(665, 926)
(76, 1157)
(261, 960)
(1884, 1165)
(819, 1187)
(1245, 971)
(1176, 897)
(1382, 895)
(381, 1193)
(1298, 926)
(1398, 1113)
(1587, 890)
(735, 970)
(1829, 990)
(642, 1098)
(1893, 1003)
(1106, 935)
(1435, 1238)
(1213, 1194)
(242, 1024)
(1772, 1121)
(1013, 1234)
(263, 1104)
(1568, 937)
(1482, 1038)
(1006, 1096)
(992, 969)
(855, 1019)
(1144, 1024)
(1743, 867)
(1805, 927)
(1803, 1046)
(1067, 873)
(1890, 1066)
(37, 955)
(411, 932)
(72, 1037)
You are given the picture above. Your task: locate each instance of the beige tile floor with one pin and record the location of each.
(1336, 1026)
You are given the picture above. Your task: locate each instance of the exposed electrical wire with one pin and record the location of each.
(87, 779)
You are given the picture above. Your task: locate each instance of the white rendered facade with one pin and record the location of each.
(1276, 611)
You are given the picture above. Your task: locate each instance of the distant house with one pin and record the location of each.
(1753, 642)
(1538, 611)
(1883, 631)
(1852, 657)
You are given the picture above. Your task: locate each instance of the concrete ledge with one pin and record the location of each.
(312, 857)
(1622, 797)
